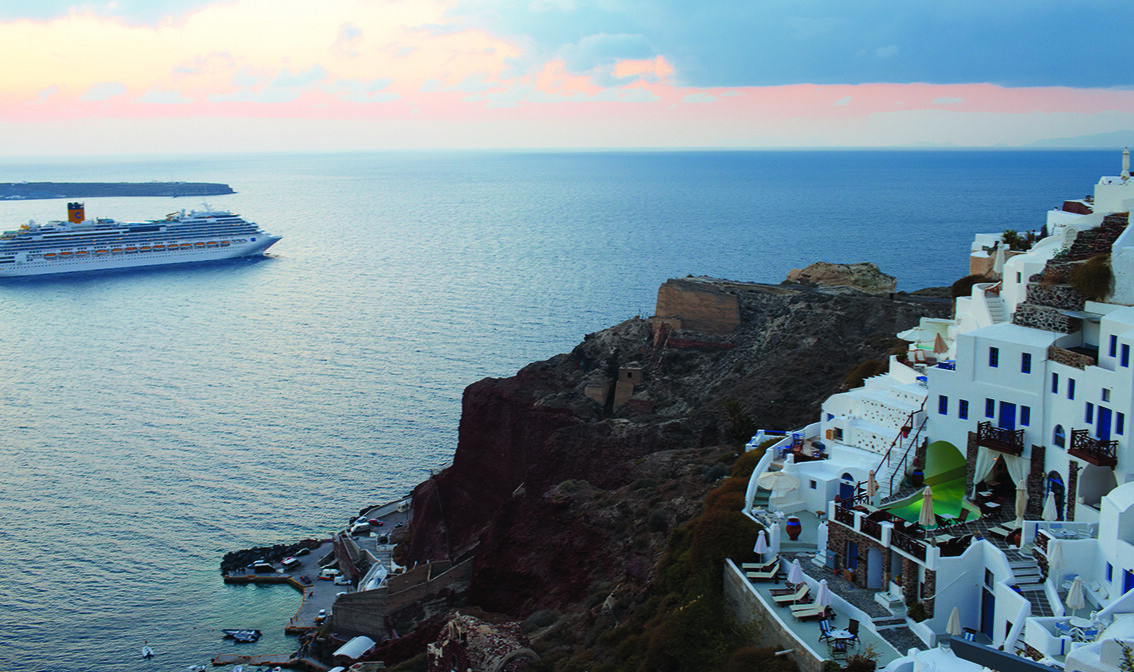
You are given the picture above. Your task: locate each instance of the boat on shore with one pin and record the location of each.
(81, 244)
(243, 636)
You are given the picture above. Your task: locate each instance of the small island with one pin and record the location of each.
(14, 191)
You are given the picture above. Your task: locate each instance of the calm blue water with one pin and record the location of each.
(152, 420)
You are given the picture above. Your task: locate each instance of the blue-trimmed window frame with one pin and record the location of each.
(1025, 362)
(993, 357)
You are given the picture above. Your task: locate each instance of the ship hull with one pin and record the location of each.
(91, 261)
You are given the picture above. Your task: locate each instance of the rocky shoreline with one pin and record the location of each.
(574, 480)
(39, 190)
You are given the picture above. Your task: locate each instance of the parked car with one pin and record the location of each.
(342, 581)
(375, 522)
(289, 562)
(305, 579)
(322, 616)
(328, 574)
(360, 528)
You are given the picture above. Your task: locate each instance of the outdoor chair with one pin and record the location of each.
(791, 588)
(852, 628)
(968, 634)
(838, 648)
(824, 629)
(759, 566)
(792, 598)
(766, 575)
(805, 611)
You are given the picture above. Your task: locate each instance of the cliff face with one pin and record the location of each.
(546, 488)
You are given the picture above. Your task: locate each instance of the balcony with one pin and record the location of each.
(1010, 441)
(1088, 449)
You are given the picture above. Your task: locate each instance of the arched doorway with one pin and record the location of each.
(1056, 487)
(846, 487)
(874, 568)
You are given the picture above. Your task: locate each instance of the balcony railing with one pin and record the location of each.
(908, 544)
(844, 516)
(1009, 441)
(871, 528)
(1089, 449)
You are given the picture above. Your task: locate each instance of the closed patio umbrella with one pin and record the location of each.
(1021, 499)
(774, 537)
(823, 597)
(953, 627)
(761, 544)
(926, 518)
(871, 486)
(1075, 598)
(1049, 512)
(1054, 559)
(821, 537)
(795, 574)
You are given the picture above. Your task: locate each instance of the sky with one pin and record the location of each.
(175, 76)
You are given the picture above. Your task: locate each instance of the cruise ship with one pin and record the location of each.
(81, 244)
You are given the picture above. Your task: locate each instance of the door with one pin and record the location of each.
(1127, 581)
(987, 611)
(1103, 428)
(852, 555)
(874, 568)
(1007, 416)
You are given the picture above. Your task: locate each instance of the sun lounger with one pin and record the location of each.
(766, 575)
(1002, 531)
(792, 598)
(759, 566)
(805, 611)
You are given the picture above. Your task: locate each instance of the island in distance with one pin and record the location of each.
(11, 191)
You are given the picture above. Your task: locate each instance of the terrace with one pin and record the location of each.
(997, 438)
(1096, 451)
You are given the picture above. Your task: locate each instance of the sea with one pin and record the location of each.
(152, 420)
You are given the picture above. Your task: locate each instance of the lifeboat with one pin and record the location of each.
(159, 248)
(64, 254)
(198, 244)
(117, 250)
(224, 243)
(131, 249)
(101, 251)
(186, 245)
(49, 255)
(144, 248)
(81, 252)
(212, 243)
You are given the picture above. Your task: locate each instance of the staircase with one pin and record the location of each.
(996, 309)
(1029, 581)
(761, 498)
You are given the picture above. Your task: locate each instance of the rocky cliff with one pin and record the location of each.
(568, 476)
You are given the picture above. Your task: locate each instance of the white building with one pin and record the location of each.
(1029, 395)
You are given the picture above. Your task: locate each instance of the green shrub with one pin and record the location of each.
(746, 463)
(861, 371)
(741, 426)
(964, 286)
(917, 612)
(1094, 279)
(719, 535)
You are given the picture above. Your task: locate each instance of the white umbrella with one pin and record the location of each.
(823, 597)
(871, 486)
(761, 544)
(795, 574)
(821, 537)
(1075, 595)
(774, 538)
(1054, 559)
(1021, 499)
(953, 627)
(926, 519)
(778, 482)
(1049, 512)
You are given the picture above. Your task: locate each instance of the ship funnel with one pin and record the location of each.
(1125, 164)
(75, 213)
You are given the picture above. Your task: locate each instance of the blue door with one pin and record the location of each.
(1007, 416)
(1103, 432)
(987, 611)
(852, 555)
(846, 490)
(1127, 581)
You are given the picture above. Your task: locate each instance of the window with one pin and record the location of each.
(989, 579)
(1070, 388)
(814, 485)
(1055, 383)
(1025, 415)
(943, 404)
(989, 408)
(1113, 345)
(963, 410)
(1120, 423)
(830, 417)
(1059, 438)
(1109, 572)
(1026, 362)
(994, 357)
(1090, 416)
(1125, 354)
(1105, 394)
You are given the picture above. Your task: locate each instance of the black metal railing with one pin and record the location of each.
(1097, 452)
(844, 516)
(872, 528)
(903, 542)
(1009, 441)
